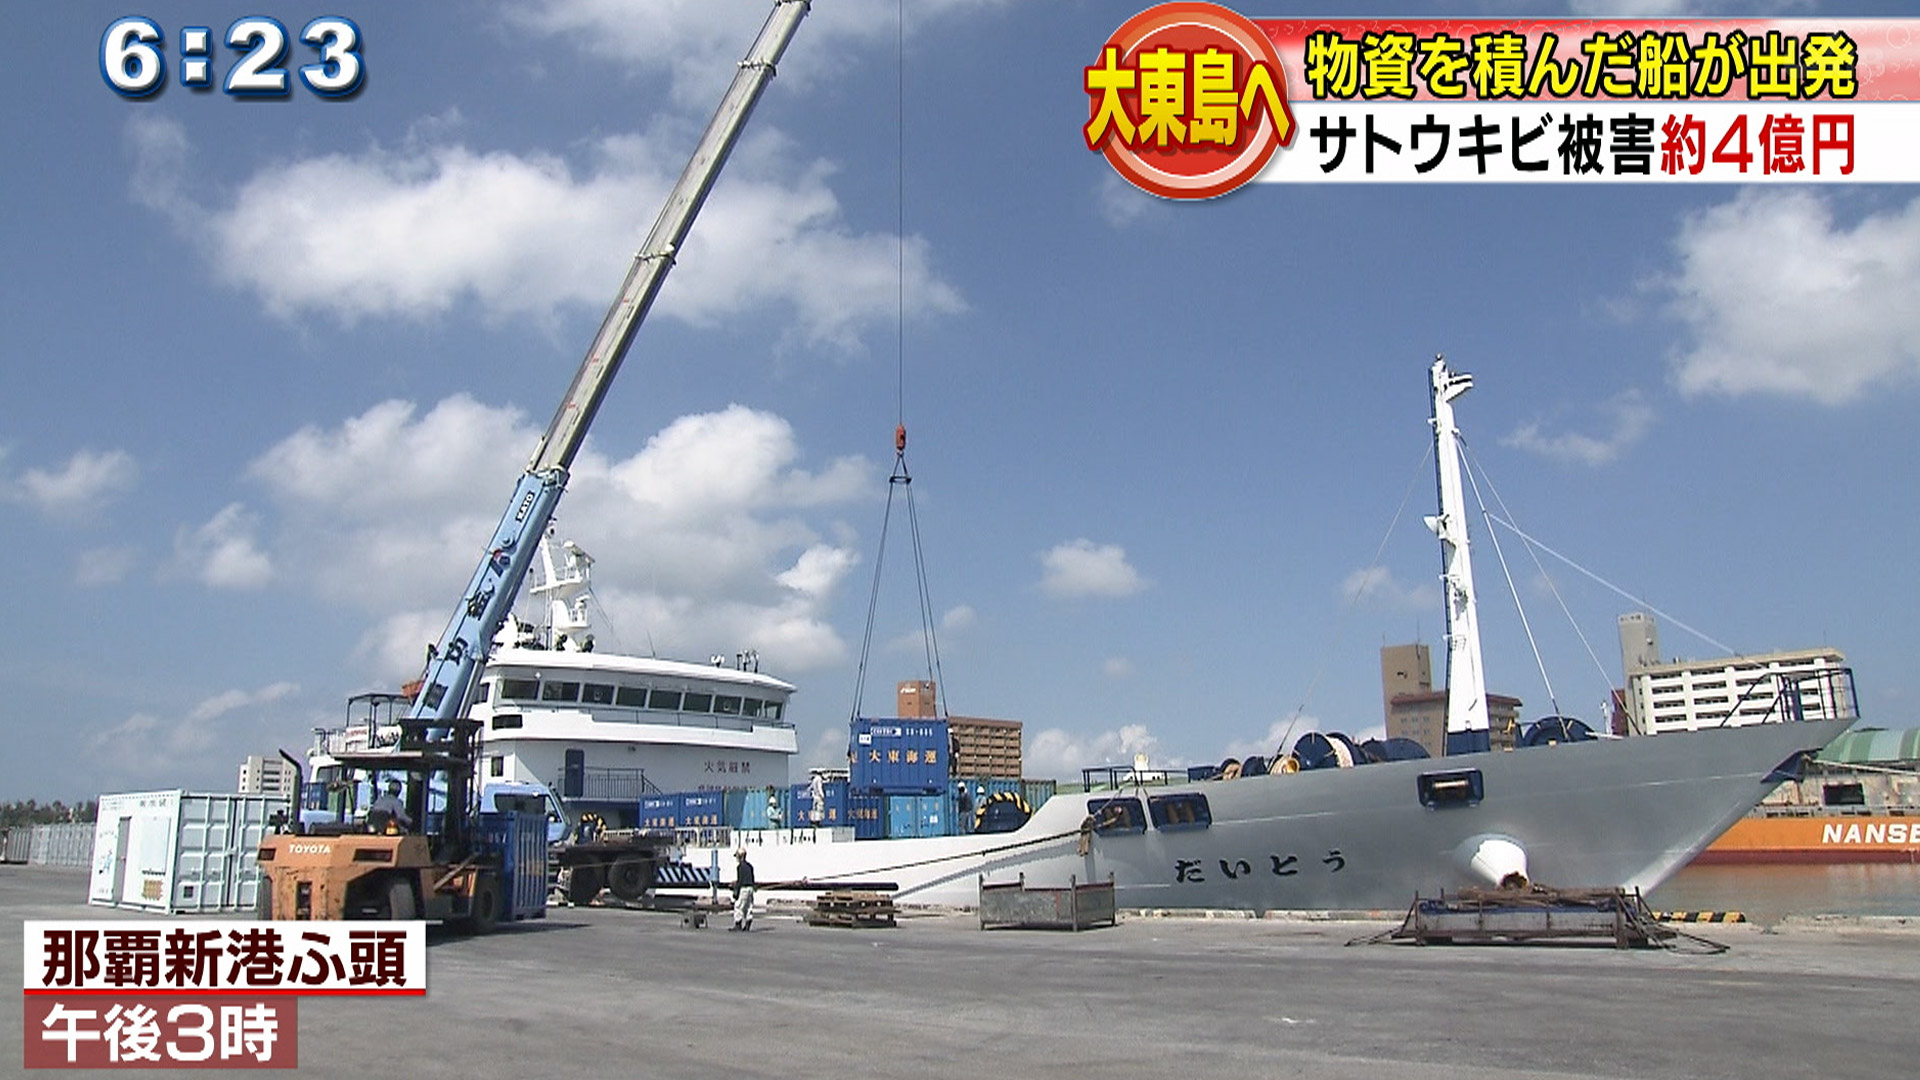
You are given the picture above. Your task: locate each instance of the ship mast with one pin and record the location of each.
(1467, 723)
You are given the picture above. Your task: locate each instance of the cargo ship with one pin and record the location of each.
(1858, 803)
(1339, 825)
(1329, 823)
(602, 731)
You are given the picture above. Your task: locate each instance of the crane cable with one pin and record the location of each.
(901, 479)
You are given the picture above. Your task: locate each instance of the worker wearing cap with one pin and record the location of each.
(392, 805)
(742, 892)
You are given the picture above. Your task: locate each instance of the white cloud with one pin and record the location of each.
(708, 540)
(710, 464)
(819, 570)
(1377, 587)
(828, 750)
(956, 621)
(1783, 299)
(103, 565)
(226, 702)
(389, 459)
(201, 748)
(699, 42)
(1280, 736)
(1117, 667)
(1120, 204)
(88, 480)
(1083, 568)
(395, 648)
(1624, 419)
(225, 552)
(1061, 754)
(436, 223)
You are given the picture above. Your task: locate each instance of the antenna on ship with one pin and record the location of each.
(1467, 721)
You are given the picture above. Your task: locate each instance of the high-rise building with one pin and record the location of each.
(915, 699)
(1404, 669)
(1639, 641)
(1639, 650)
(1415, 710)
(981, 747)
(262, 775)
(1732, 691)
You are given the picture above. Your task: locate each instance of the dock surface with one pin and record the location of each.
(591, 992)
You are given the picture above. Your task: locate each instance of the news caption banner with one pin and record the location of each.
(199, 993)
(1192, 100)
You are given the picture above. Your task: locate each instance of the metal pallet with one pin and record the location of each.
(1534, 915)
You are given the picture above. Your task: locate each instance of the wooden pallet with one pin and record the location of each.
(852, 909)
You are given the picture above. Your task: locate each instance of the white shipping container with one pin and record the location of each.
(178, 852)
(61, 844)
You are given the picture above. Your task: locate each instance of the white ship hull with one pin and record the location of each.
(1605, 813)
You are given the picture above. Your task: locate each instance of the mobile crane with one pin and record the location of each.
(458, 870)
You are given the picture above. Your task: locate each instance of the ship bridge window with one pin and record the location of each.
(696, 703)
(726, 705)
(750, 706)
(596, 694)
(631, 696)
(1175, 812)
(502, 721)
(524, 689)
(1111, 816)
(485, 690)
(664, 699)
(560, 691)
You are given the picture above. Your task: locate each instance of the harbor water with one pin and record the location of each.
(1770, 893)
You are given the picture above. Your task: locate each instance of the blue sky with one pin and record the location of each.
(272, 369)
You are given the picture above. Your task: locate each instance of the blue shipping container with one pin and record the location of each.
(919, 815)
(765, 808)
(905, 755)
(869, 816)
(979, 788)
(520, 837)
(903, 812)
(1037, 792)
(833, 810)
(702, 809)
(659, 811)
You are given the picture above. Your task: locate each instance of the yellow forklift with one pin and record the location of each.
(425, 852)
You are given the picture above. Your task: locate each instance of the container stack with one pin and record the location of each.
(836, 808)
(904, 763)
(64, 843)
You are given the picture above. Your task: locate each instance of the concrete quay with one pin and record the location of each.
(593, 992)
